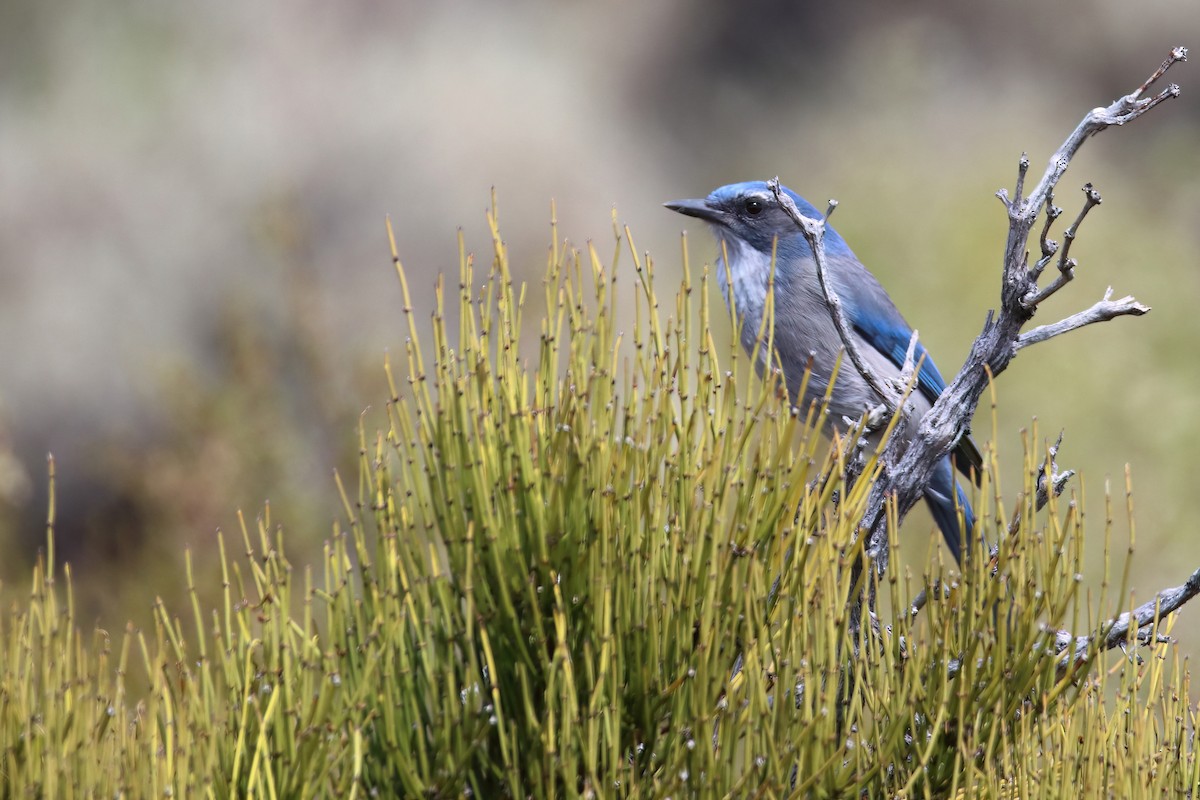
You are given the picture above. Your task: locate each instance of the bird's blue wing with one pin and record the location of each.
(874, 317)
(891, 338)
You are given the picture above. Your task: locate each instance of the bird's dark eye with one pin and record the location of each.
(754, 207)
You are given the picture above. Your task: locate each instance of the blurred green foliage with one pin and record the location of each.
(607, 564)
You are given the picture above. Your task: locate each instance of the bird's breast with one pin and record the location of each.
(804, 334)
(748, 272)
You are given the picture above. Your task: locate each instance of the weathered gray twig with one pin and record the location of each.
(1066, 265)
(1104, 310)
(814, 233)
(909, 461)
(1143, 621)
(1050, 480)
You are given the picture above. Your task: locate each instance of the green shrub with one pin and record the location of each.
(610, 565)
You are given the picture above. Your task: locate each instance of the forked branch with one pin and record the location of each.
(909, 463)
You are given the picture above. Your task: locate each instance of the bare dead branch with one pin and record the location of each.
(1092, 199)
(814, 233)
(909, 462)
(1048, 245)
(1022, 171)
(909, 368)
(1123, 110)
(1050, 480)
(1102, 311)
(1139, 626)
(1142, 622)
(1066, 265)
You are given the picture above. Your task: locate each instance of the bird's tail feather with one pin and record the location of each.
(940, 495)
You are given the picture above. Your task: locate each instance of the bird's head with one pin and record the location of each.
(748, 214)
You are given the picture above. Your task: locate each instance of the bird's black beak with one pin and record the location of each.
(696, 208)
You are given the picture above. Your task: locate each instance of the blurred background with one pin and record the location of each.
(196, 293)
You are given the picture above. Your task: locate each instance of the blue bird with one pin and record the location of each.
(749, 225)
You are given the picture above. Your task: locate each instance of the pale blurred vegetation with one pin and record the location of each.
(196, 292)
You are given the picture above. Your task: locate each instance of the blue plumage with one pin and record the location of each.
(750, 226)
